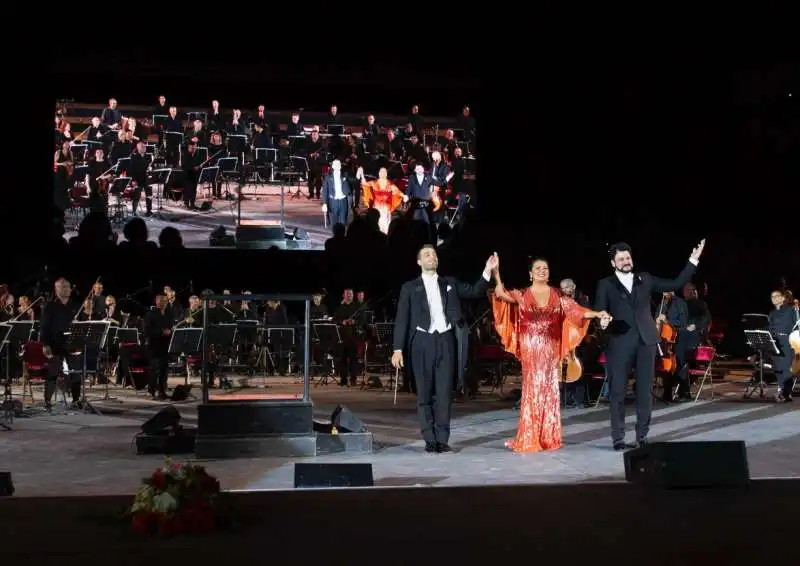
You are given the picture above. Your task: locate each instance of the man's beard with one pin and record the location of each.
(626, 269)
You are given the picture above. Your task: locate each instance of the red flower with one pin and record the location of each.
(158, 480)
(144, 522)
(171, 525)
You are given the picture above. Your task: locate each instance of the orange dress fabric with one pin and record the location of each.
(539, 337)
(385, 199)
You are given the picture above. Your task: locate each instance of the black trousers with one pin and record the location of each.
(433, 365)
(622, 354)
(54, 368)
(159, 365)
(783, 366)
(348, 362)
(137, 194)
(684, 352)
(190, 190)
(314, 180)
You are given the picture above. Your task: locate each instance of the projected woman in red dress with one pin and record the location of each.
(540, 326)
(382, 195)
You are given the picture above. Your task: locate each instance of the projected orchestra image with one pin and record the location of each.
(213, 173)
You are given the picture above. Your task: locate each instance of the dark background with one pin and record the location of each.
(577, 150)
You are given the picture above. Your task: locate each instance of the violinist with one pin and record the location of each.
(63, 168)
(349, 315)
(140, 162)
(98, 173)
(136, 131)
(782, 320)
(191, 165)
(111, 314)
(6, 303)
(25, 311)
(158, 334)
(691, 318)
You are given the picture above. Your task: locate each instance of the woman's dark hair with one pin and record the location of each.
(535, 259)
(618, 247)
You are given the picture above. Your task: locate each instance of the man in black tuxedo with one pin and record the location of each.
(335, 190)
(428, 309)
(419, 192)
(633, 335)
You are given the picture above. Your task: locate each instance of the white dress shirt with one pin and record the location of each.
(338, 193)
(627, 278)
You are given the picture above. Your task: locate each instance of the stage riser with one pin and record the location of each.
(254, 419)
(282, 446)
(475, 524)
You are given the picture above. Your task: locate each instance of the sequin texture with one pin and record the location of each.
(539, 336)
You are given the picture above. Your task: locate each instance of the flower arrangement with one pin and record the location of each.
(176, 499)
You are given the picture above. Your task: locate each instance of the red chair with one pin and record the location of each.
(601, 359)
(700, 369)
(34, 369)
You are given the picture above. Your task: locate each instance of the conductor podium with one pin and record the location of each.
(259, 425)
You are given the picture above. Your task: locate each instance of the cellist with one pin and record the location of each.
(691, 318)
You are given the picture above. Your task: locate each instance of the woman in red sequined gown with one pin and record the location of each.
(540, 326)
(382, 195)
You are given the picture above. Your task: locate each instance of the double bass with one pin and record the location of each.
(667, 337)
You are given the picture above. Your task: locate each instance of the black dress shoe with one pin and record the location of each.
(620, 446)
(431, 447)
(641, 443)
(443, 447)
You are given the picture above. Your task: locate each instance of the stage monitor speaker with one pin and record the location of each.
(166, 418)
(333, 475)
(689, 464)
(345, 421)
(7, 486)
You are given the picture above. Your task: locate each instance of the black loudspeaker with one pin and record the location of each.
(166, 418)
(345, 421)
(181, 392)
(7, 486)
(689, 464)
(333, 475)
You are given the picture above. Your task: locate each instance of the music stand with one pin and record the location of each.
(78, 151)
(329, 341)
(281, 341)
(237, 143)
(161, 177)
(186, 342)
(223, 335)
(228, 167)
(762, 342)
(117, 189)
(80, 337)
(208, 176)
(298, 166)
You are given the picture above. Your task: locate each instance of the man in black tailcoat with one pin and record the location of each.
(428, 310)
(633, 335)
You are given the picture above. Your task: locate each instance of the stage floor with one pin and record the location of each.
(263, 204)
(76, 453)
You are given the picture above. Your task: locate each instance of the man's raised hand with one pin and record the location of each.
(698, 251)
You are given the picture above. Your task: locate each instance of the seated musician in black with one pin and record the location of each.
(158, 325)
(198, 133)
(191, 165)
(140, 162)
(318, 310)
(98, 170)
(295, 128)
(122, 148)
(415, 152)
(349, 314)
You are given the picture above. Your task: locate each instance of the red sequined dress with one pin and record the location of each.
(539, 336)
(384, 198)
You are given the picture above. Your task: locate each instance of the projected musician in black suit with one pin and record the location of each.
(633, 335)
(428, 311)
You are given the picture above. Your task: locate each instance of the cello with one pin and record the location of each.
(667, 336)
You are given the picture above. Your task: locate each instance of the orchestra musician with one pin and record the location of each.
(245, 312)
(136, 130)
(261, 118)
(175, 308)
(198, 133)
(415, 152)
(467, 123)
(335, 193)
(122, 148)
(315, 149)
(173, 126)
(158, 333)
(396, 149)
(140, 163)
(318, 310)
(97, 133)
(98, 299)
(111, 116)
(191, 165)
(111, 314)
(782, 320)
(63, 167)
(97, 176)
(215, 120)
(216, 151)
(295, 128)
(6, 303)
(440, 177)
(350, 315)
(691, 318)
(25, 311)
(577, 390)
(450, 145)
(57, 316)
(382, 195)
(160, 109)
(416, 121)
